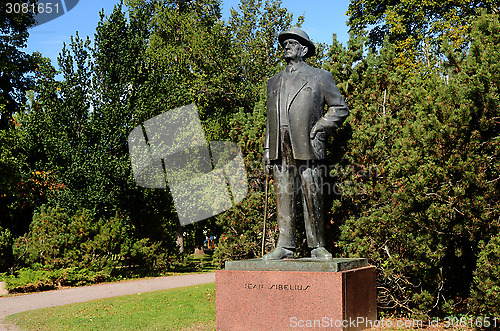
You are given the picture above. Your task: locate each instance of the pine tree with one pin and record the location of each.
(431, 196)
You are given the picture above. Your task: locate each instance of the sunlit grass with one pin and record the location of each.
(186, 308)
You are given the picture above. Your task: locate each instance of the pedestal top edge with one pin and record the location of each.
(303, 264)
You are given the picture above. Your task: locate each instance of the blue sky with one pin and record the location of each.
(323, 18)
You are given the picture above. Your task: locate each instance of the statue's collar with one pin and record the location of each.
(294, 67)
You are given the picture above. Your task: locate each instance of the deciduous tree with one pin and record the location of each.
(417, 28)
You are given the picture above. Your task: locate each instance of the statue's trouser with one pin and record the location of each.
(290, 176)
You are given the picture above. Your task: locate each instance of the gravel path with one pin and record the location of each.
(25, 302)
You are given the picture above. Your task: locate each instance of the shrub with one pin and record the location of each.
(6, 241)
(29, 280)
(78, 244)
(38, 279)
(485, 294)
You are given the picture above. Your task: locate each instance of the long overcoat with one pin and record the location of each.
(313, 98)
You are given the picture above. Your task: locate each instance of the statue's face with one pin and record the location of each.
(294, 50)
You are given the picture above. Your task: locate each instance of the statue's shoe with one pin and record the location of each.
(321, 253)
(278, 253)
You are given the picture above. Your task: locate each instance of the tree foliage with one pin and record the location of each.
(415, 168)
(416, 26)
(434, 196)
(156, 56)
(15, 69)
(255, 26)
(14, 63)
(78, 130)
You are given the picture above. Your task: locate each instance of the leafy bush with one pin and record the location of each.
(485, 295)
(29, 280)
(38, 279)
(58, 240)
(6, 240)
(243, 231)
(61, 248)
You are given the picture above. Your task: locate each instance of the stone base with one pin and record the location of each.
(261, 299)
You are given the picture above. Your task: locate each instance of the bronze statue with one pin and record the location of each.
(296, 132)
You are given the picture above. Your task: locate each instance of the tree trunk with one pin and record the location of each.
(199, 239)
(180, 237)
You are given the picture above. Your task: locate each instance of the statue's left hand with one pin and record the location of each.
(318, 129)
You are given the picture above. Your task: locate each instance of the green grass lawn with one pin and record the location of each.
(186, 308)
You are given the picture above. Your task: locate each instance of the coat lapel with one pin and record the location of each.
(298, 84)
(278, 94)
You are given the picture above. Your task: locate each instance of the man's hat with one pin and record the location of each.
(300, 36)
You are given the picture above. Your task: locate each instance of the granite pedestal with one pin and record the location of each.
(337, 294)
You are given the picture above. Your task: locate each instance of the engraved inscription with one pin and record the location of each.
(253, 286)
(288, 287)
(276, 287)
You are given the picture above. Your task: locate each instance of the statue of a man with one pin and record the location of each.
(297, 128)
